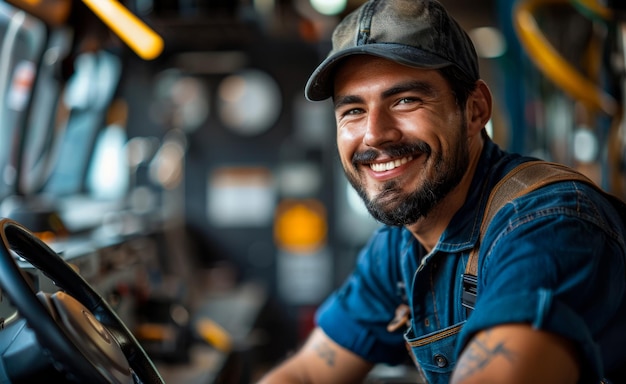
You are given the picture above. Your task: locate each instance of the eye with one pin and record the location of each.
(349, 112)
(353, 111)
(409, 100)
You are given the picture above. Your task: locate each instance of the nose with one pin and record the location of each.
(380, 129)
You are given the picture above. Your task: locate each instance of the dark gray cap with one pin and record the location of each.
(417, 33)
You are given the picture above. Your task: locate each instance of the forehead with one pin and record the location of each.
(371, 70)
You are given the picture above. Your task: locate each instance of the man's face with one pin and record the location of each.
(400, 135)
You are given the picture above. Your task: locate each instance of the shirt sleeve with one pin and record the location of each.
(555, 261)
(356, 315)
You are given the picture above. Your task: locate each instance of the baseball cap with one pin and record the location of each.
(417, 33)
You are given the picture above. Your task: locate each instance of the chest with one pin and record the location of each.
(434, 292)
(434, 289)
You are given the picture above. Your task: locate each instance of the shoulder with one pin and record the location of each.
(573, 205)
(563, 226)
(565, 215)
(529, 189)
(564, 222)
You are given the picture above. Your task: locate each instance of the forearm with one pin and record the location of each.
(320, 361)
(517, 354)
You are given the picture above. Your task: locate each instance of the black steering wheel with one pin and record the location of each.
(75, 326)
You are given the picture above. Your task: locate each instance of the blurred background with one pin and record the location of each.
(166, 149)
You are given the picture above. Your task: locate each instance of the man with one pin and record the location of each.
(411, 110)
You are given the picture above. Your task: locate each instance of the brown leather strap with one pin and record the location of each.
(401, 318)
(523, 179)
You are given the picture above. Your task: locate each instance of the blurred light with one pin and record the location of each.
(214, 334)
(167, 166)
(140, 150)
(139, 37)
(585, 146)
(300, 179)
(489, 128)
(329, 7)
(108, 174)
(489, 42)
(179, 314)
(155, 332)
(232, 88)
(190, 103)
(300, 225)
(264, 6)
(249, 102)
(46, 236)
(241, 196)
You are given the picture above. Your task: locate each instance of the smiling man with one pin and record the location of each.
(401, 139)
(411, 111)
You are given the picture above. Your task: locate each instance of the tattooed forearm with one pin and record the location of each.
(325, 352)
(480, 353)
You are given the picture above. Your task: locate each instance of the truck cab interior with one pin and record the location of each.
(171, 206)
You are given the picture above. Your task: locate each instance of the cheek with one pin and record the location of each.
(347, 144)
(345, 156)
(446, 132)
(349, 133)
(456, 123)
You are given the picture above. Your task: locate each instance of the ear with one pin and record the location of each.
(478, 108)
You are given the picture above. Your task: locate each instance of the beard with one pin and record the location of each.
(393, 206)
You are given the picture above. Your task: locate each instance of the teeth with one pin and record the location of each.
(388, 166)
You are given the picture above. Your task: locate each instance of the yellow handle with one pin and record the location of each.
(135, 33)
(214, 334)
(552, 64)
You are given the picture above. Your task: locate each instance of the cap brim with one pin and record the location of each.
(320, 87)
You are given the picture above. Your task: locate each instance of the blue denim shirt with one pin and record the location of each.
(554, 258)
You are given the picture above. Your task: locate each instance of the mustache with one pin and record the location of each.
(395, 150)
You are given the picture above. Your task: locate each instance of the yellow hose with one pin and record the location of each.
(552, 64)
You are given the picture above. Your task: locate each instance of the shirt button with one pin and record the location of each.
(440, 361)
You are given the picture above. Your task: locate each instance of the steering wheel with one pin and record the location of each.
(75, 326)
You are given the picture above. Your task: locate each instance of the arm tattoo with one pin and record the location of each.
(479, 353)
(325, 352)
